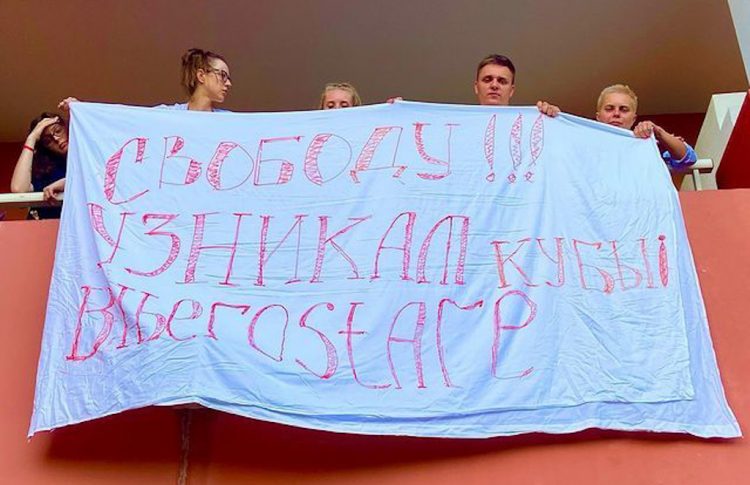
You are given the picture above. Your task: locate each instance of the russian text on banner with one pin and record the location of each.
(426, 270)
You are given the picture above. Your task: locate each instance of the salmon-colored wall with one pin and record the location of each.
(144, 446)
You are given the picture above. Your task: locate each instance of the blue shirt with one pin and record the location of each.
(682, 163)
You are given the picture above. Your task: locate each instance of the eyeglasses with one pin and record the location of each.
(224, 75)
(53, 133)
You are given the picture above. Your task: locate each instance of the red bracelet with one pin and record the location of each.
(27, 147)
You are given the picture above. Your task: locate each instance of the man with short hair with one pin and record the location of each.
(495, 84)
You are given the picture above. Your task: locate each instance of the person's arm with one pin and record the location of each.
(672, 143)
(681, 155)
(21, 180)
(52, 191)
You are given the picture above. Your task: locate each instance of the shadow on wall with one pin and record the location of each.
(138, 437)
(240, 442)
(153, 435)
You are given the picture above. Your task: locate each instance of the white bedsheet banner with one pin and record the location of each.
(408, 269)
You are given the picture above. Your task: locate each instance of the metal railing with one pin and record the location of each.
(14, 201)
(27, 199)
(703, 165)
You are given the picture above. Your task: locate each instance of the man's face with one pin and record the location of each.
(494, 85)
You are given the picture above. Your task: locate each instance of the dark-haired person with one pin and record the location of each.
(617, 105)
(339, 95)
(41, 164)
(496, 82)
(205, 78)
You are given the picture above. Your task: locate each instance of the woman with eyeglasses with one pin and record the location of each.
(339, 95)
(41, 165)
(205, 77)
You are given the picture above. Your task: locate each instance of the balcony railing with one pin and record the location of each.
(21, 201)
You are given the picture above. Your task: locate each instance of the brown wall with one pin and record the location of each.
(144, 446)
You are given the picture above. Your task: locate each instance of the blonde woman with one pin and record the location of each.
(339, 95)
(617, 106)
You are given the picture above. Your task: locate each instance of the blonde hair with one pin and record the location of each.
(619, 89)
(356, 100)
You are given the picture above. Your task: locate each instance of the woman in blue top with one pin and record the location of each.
(617, 106)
